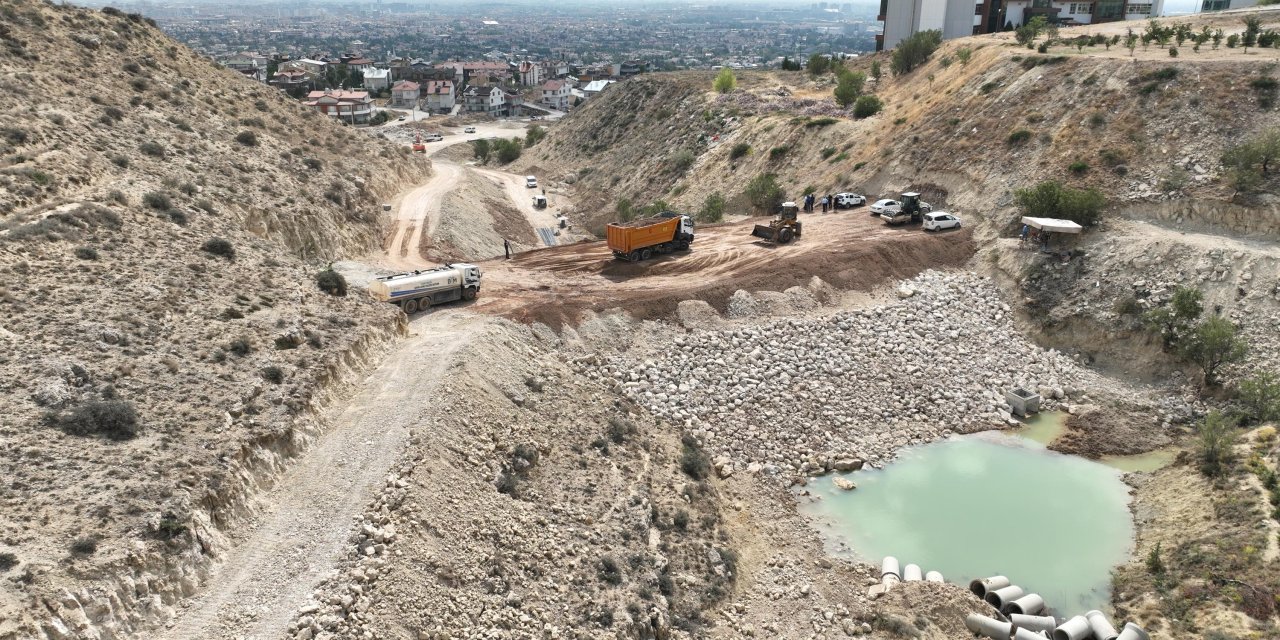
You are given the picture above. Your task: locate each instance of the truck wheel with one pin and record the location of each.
(785, 236)
(424, 303)
(469, 293)
(410, 307)
(645, 254)
(683, 245)
(634, 256)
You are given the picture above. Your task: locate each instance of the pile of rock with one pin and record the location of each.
(809, 395)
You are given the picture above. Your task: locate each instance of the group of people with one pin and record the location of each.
(827, 201)
(1036, 236)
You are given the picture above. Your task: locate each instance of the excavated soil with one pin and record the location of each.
(1104, 431)
(850, 250)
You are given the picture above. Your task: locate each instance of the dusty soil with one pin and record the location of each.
(1093, 432)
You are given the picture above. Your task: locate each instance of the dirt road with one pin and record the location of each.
(272, 570)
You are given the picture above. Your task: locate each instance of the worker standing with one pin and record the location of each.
(506, 246)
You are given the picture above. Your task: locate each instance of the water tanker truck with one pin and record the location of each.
(640, 239)
(418, 290)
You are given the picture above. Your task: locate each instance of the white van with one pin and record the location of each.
(433, 137)
(531, 182)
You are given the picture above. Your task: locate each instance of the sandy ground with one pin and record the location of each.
(271, 571)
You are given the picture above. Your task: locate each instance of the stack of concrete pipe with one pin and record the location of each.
(1022, 617)
(891, 573)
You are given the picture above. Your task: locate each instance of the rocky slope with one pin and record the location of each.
(164, 340)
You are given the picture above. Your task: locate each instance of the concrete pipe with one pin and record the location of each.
(1030, 605)
(1001, 597)
(1102, 629)
(1034, 623)
(1026, 634)
(933, 576)
(890, 566)
(1076, 628)
(888, 580)
(989, 627)
(1133, 632)
(981, 587)
(911, 573)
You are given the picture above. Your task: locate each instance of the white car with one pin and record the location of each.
(885, 206)
(531, 182)
(433, 137)
(469, 130)
(401, 118)
(940, 220)
(849, 200)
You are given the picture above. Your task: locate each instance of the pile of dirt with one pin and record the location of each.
(164, 340)
(1094, 432)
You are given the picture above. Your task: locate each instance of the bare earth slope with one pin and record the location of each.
(122, 155)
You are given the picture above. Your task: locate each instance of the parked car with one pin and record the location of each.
(401, 118)
(885, 206)
(469, 130)
(433, 137)
(939, 220)
(849, 200)
(531, 182)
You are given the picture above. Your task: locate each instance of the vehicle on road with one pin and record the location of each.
(531, 182)
(909, 209)
(939, 220)
(539, 202)
(401, 118)
(880, 206)
(418, 290)
(782, 229)
(434, 137)
(640, 239)
(469, 130)
(849, 200)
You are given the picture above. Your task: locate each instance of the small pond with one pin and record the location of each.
(992, 503)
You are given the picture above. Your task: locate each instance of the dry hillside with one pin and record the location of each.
(148, 377)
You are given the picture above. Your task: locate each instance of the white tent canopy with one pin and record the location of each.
(1052, 224)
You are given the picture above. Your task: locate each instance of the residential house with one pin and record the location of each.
(377, 79)
(405, 93)
(314, 67)
(593, 88)
(555, 94)
(354, 107)
(440, 95)
(490, 100)
(290, 80)
(249, 65)
(529, 73)
(555, 68)
(512, 101)
(464, 72)
(358, 65)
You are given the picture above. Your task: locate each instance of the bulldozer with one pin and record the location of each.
(782, 229)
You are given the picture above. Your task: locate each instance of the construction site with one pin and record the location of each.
(564, 396)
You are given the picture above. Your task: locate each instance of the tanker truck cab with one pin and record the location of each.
(419, 290)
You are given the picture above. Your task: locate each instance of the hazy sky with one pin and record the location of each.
(1180, 6)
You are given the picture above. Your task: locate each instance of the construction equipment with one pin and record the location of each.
(639, 239)
(782, 229)
(539, 202)
(418, 290)
(911, 209)
(417, 142)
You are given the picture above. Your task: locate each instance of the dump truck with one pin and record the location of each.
(782, 229)
(911, 210)
(641, 239)
(418, 290)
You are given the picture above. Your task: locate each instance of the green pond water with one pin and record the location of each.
(988, 504)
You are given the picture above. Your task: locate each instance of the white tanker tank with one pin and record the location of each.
(418, 290)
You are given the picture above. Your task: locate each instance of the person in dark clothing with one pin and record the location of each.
(506, 246)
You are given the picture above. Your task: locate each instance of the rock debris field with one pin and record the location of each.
(811, 395)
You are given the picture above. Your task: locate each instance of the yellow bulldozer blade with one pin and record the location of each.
(765, 231)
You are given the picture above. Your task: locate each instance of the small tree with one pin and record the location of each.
(1174, 321)
(867, 106)
(534, 135)
(1216, 437)
(964, 55)
(1260, 396)
(1212, 344)
(915, 50)
(1155, 565)
(1052, 199)
(1025, 35)
(1249, 164)
(764, 193)
(1131, 41)
(725, 81)
(818, 64)
(1217, 38)
(331, 282)
(507, 150)
(849, 88)
(875, 70)
(482, 150)
(712, 208)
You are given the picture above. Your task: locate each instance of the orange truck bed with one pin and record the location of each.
(625, 237)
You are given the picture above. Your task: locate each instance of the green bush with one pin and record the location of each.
(86, 253)
(712, 208)
(247, 138)
(7, 561)
(827, 152)
(1212, 344)
(240, 346)
(331, 282)
(156, 200)
(693, 460)
(1215, 444)
(867, 106)
(507, 151)
(738, 150)
(777, 153)
(764, 193)
(610, 570)
(113, 418)
(1260, 397)
(1079, 167)
(988, 87)
(915, 50)
(153, 149)
(178, 216)
(725, 81)
(1053, 200)
(1018, 137)
(682, 160)
(273, 374)
(534, 135)
(86, 546)
(219, 247)
(820, 122)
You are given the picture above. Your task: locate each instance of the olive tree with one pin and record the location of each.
(1212, 344)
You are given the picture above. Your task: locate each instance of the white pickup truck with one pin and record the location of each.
(418, 290)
